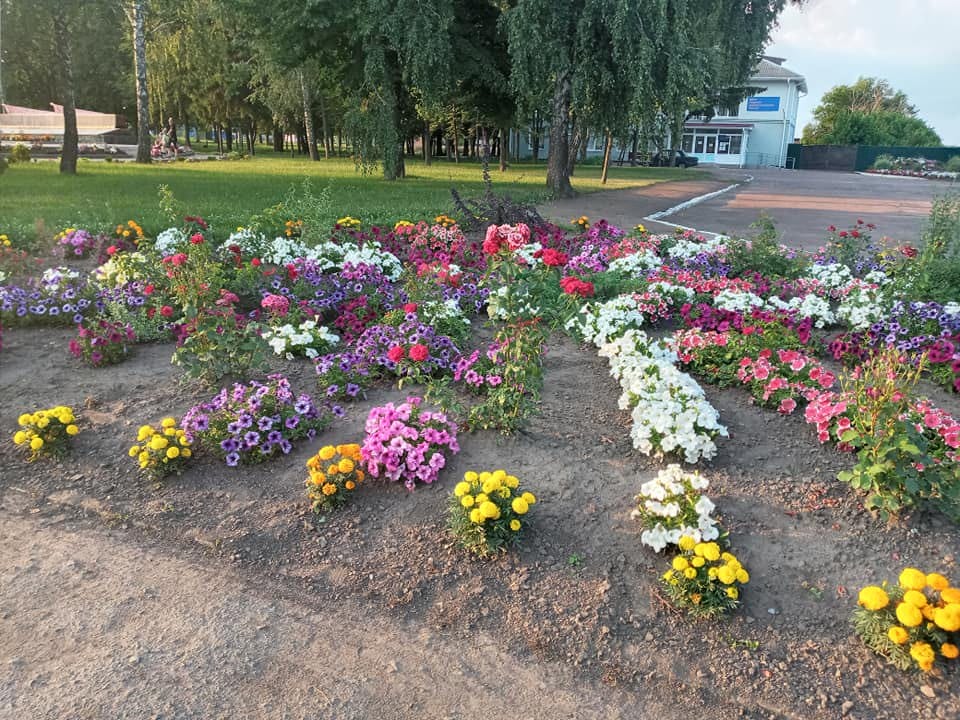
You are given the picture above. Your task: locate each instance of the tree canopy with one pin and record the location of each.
(869, 112)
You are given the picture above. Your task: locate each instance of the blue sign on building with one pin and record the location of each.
(763, 103)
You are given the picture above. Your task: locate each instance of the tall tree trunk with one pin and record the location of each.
(219, 139)
(323, 123)
(277, 138)
(64, 53)
(558, 176)
(427, 143)
(138, 15)
(505, 134)
(633, 147)
(576, 141)
(456, 142)
(308, 117)
(607, 147)
(229, 133)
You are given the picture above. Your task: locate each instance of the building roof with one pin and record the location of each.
(719, 124)
(770, 69)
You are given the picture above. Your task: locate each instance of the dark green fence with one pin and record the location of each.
(859, 157)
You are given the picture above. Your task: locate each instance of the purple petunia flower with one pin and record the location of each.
(232, 459)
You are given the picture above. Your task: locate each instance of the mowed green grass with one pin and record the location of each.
(228, 193)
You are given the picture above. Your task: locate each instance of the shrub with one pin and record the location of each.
(703, 580)
(19, 153)
(46, 432)
(161, 451)
(884, 162)
(953, 164)
(334, 473)
(909, 623)
(101, 342)
(487, 511)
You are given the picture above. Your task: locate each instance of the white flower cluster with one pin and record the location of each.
(670, 411)
(668, 505)
(121, 269)
(832, 276)
(513, 303)
(809, 306)
(736, 300)
(688, 249)
(604, 322)
(673, 294)
(434, 311)
(307, 338)
(249, 241)
(333, 256)
(636, 265)
(952, 308)
(526, 252)
(3, 277)
(169, 240)
(862, 306)
(52, 277)
(877, 277)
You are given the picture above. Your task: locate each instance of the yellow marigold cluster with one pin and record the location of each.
(402, 224)
(292, 228)
(486, 510)
(582, 222)
(349, 222)
(907, 622)
(704, 578)
(46, 432)
(4, 241)
(129, 231)
(333, 473)
(641, 228)
(444, 220)
(162, 450)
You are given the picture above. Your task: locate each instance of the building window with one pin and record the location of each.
(723, 144)
(698, 144)
(687, 144)
(735, 145)
(711, 144)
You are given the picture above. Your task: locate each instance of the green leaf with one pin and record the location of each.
(849, 435)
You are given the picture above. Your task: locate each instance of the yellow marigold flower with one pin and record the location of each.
(950, 595)
(484, 476)
(43, 422)
(680, 563)
(476, 517)
(726, 575)
(143, 457)
(898, 635)
(168, 422)
(873, 598)
(697, 561)
(490, 486)
(481, 498)
(909, 615)
(345, 465)
(19, 437)
(170, 432)
(928, 612)
(461, 489)
(499, 475)
(529, 498)
(686, 543)
(698, 549)
(158, 442)
(743, 577)
(923, 654)
(333, 469)
(512, 482)
(520, 505)
(186, 452)
(25, 419)
(72, 430)
(915, 598)
(329, 489)
(937, 582)
(183, 440)
(690, 573)
(359, 475)
(144, 432)
(712, 573)
(327, 452)
(467, 501)
(134, 451)
(504, 492)
(489, 510)
(913, 579)
(733, 593)
(949, 650)
(515, 525)
(470, 476)
(948, 617)
(36, 443)
(711, 551)
(349, 484)
(173, 452)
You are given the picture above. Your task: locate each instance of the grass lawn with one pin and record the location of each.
(229, 192)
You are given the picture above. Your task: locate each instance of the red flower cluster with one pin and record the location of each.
(552, 257)
(575, 286)
(196, 220)
(196, 238)
(418, 352)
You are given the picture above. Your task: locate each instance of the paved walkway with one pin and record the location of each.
(801, 202)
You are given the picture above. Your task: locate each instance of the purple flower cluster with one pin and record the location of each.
(478, 372)
(68, 303)
(407, 442)
(77, 242)
(252, 422)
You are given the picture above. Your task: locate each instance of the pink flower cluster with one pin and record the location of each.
(687, 342)
(780, 380)
(407, 442)
(931, 420)
(696, 281)
(830, 412)
(277, 305)
(513, 237)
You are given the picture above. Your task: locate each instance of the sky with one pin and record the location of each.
(914, 44)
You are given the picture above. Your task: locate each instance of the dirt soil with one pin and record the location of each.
(217, 594)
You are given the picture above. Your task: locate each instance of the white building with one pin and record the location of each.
(756, 132)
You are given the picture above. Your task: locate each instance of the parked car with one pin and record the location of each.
(680, 160)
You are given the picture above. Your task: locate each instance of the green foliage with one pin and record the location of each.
(883, 162)
(3, 164)
(953, 164)
(19, 153)
(869, 112)
(762, 253)
(935, 274)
